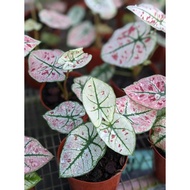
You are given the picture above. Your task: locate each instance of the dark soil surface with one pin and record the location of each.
(108, 166)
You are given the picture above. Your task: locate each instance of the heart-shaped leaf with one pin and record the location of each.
(81, 35)
(29, 44)
(106, 8)
(43, 65)
(158, 135)
(78, 86)
(35, 155)
(31, 180)
(130, 45)
(119, 135)
(140, 117)
(74, 59)
(76, 13)
(65, 116)
(103, 72)
(150, 15)
(99, 101)
(149, 92)
(54, 19)
(81, 152)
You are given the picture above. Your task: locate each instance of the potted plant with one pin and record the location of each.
(88, 140)
(35, 157)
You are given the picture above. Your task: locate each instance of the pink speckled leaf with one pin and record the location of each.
(35, 155)
(150, 15)
(78, 86)
(81, 35)
(74, 59)
(140, 117)
(158, 136)
(149, 92)
(44, 67)
(119, 135)
(99, 101)
(55, 19)
(65, 117)
(59, 6)
(29, 44)
(82, 151)
(130, 45)
(106, 8)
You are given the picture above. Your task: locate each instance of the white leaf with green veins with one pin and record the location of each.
(78, 85)
(65, 116)
(158, 136)
(118, 135)
(81, 152)
(99, 101)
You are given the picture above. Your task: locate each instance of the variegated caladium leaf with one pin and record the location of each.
(140, 117)
(118, 135)
(150, 15)
(158, 135)
(81, 35)
(43, 65)
(31, 24)
(103, 72)
(58, 6)
(54, 19)
(74, 59)
(65, 117)
(35, 155)
(76, 13)
(31, 180)
(106, 9)
(81, 152)
(98, 100)
(130, 45)
(149, 92)
(78, 85)
(29, 44)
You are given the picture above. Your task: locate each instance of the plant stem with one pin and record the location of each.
(98, 42)
(65, 92)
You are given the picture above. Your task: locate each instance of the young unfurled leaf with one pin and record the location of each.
(119, 134)
(74, 59)
(158, 135)
(81, 35)
(81, 152)
(99, 101)
(78, 85)
(130, 45)
(44, 67)
(149, 92)
(140, 117)
(29, 44)
(103, 72)
(31, 180)
(105, 8)
(54, 19)
(35, 155)
(150, 15)
(65, 117)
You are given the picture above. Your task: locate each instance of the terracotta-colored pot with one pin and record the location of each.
(159, 162)
(96, 59)
(109, 184)
(159, 166)
(43, 85)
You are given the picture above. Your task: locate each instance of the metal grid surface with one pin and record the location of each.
(138, 174)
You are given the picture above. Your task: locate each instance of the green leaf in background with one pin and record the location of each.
(30, 180)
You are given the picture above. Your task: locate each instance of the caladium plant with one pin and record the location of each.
(87, 141)
(35, 157)
(54, 65)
